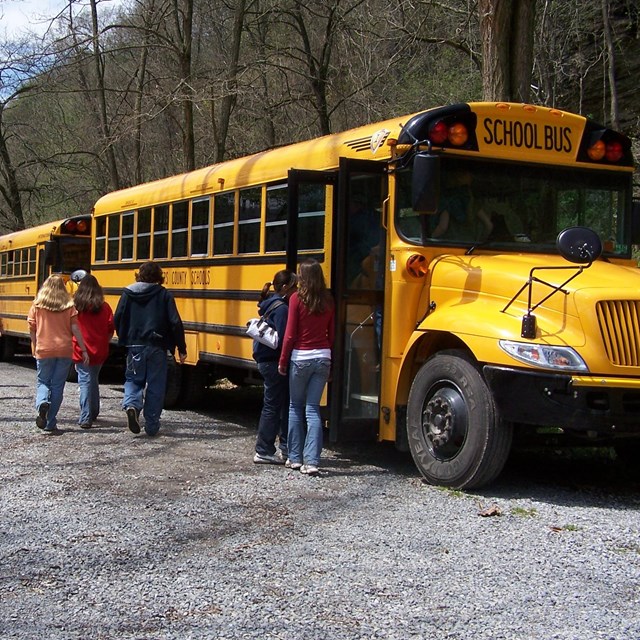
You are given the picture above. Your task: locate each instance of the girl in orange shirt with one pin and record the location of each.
(52, 325)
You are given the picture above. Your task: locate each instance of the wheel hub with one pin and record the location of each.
(444, 420)
(438, 421)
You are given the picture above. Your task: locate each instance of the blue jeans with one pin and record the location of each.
(145, 383)
(275, 411)
(307, 380)
(89, 392)
(50, 380)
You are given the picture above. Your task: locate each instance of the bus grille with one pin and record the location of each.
(620, 328)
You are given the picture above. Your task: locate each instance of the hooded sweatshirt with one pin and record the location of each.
(147, 316)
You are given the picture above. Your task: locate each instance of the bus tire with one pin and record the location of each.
(174, 383)
(194, 384)
(456, 436)
(8, 346)
(628, 452)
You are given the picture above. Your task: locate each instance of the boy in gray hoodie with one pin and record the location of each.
(148, 325)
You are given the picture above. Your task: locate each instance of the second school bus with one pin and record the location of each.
(27, 258)
(480, 259)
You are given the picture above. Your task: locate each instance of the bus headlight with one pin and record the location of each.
(544, 356)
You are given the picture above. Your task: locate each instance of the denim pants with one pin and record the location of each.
(89, 388)
(145, 383)
(275, 411)
(307, 380)
(50, 380)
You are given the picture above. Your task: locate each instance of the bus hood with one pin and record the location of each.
(486, 296)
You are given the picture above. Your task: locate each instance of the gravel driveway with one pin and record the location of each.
(108, 535)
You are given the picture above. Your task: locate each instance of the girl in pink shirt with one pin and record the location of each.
(52, 325)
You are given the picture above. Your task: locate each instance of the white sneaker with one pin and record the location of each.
(273, 459)
(309, 469)
(292, 465)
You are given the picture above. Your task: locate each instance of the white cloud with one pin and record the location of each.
(21, 16)
(18, 17)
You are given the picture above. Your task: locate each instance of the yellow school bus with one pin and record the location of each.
(27, 258)
(480, 259)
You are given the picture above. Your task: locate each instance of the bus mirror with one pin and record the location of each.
(50, 253)
(77, 275)
(579, 244)
(635, 222)
(425, 188)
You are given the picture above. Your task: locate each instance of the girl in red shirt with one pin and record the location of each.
(95, 319)
(306, 356)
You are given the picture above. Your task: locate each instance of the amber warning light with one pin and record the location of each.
(76, 227)
(456, 133)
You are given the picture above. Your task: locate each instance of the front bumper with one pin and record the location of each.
(601, 406)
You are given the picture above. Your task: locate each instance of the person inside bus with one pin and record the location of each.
(364, 235)
(148, 325)
(459, 213)
(53, 324)
(95, 319)
(306, 358)
(274, 417)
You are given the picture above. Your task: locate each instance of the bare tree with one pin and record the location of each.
(18, 63)
(101, 97)
(229, 97)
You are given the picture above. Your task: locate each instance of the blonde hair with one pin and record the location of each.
(53, 296)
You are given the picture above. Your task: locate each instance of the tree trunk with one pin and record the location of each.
(506, 29)
(521, 49)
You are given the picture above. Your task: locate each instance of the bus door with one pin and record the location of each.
(308, 225)
(358, 286)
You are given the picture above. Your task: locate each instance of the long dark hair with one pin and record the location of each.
(283, 281)
(89, 296)
(312, 287)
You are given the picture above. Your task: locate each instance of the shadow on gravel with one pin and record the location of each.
(565, 476)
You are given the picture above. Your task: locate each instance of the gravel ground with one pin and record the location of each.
(108, 535)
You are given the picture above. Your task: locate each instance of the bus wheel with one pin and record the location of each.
(456, 436)
(174, 383)
(628, 451)
(7, 348)
(194, 385)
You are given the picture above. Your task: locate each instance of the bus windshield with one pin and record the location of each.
(516, 207)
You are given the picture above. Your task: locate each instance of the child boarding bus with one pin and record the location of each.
(27, 258)
(479, 255)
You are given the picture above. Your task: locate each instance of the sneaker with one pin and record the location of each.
(265, 459)
(85, 425)
(132, 419)
(309, 469)
(43, 411)
(292, 465)
(52, 432)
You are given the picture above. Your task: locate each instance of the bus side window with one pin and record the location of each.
(223, 216)
(143, 239)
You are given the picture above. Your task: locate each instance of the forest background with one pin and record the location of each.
(114, 94)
